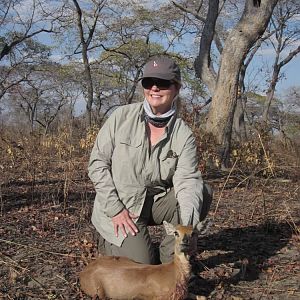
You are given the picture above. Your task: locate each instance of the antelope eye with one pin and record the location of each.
(176, 233)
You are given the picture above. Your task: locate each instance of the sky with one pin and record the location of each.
(291, 70)
(290, 73)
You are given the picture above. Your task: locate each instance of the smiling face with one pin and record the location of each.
(159, 97)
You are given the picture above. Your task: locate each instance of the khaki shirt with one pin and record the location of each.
(123, 168)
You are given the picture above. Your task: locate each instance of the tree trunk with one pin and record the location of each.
(275, 77)
(239, 126)
(250, 27)
(87, 69)
(203, 64)
(134, 86)
(85, 42)
(89, 82)
(270, 95)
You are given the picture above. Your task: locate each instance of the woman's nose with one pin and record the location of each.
(154, 87)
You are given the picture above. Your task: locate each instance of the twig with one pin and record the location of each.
(266, 290)
(271, 282)
(13, 266)
(41, 250)
(295, 227)
(261, 288)
(265, 152)
(66, 281)
(16, 265)
(227, 179)
(13, 262)
(1, 201)
(252, 175)
(254, 207)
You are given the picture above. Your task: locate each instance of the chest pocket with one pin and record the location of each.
(168, 163)
(127, 162)
(130, 143)
(129, 149)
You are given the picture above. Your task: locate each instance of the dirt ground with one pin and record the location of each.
(250, 252)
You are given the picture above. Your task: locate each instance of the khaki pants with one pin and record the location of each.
(139, 247)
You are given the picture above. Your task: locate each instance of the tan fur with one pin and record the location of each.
(122, 278)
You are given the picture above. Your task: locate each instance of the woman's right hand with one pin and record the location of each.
(124, 221)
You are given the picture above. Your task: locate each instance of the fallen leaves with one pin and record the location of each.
(250, 251)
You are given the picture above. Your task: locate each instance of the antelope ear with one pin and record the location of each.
(170, 228)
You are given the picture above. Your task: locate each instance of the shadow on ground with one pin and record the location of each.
(19, 194)
(246, 251)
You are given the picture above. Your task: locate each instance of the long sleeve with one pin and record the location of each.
(100, 169)
(188, 184)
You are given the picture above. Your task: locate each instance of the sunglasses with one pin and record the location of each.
(162, 84)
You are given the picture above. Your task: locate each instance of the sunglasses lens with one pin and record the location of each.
(148, 83)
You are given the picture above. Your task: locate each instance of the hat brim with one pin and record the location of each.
(160, 76)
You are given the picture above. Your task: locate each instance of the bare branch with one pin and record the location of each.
(8, 47)
(96, 17)
(291, 55)
(203, 67)
(195, 14)
(5, 13)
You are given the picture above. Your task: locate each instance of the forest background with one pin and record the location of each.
(66, 65)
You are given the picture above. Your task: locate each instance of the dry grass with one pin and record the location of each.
(252, 252)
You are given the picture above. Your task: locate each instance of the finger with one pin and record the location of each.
(123, 230)
(132, 227)
(133, 216)
(116, 230)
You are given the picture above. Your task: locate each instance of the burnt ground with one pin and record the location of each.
(250, 252)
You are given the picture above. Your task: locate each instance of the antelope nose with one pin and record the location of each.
(185, 239)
